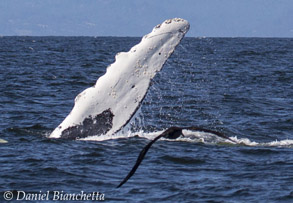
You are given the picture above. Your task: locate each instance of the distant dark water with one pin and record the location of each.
(240, 86)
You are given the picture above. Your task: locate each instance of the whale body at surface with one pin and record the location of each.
(108, 106)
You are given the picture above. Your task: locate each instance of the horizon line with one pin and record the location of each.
(114, 36)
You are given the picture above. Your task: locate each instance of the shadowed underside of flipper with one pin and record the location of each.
(170, 133)
(118, 94)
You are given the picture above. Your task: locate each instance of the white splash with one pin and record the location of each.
(194, 137)
(124, 85)
(276, 143)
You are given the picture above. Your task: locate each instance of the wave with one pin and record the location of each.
(276, 143)
(194, 137)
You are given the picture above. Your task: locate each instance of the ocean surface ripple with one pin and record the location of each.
(242, 87)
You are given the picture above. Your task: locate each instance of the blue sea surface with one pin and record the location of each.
(242, 87)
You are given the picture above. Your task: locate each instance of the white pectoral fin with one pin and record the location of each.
(110, 104)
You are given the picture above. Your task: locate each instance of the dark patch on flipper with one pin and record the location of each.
(98, 125)
(170, 133)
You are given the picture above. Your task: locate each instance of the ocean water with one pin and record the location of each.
(242, 87)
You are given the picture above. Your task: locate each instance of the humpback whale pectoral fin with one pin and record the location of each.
(112, 90)
(91, 125)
